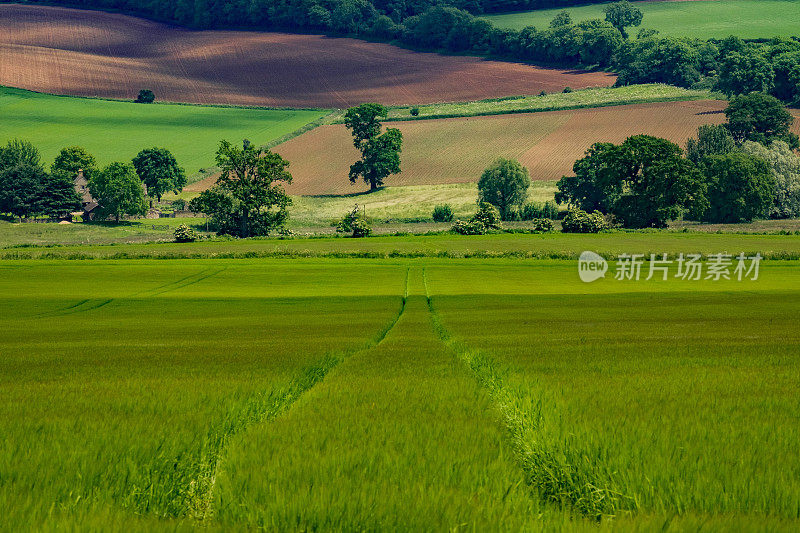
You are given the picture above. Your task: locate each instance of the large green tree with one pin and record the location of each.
(118, 191)
(22, 190)
(622, 15)
(785, 166)
(644, 182)
(380, 152)
(741, 187)
(712, 139)
(159, 171)
(18, 152)
(71, 160)
(248, 198)
(761, 118)
(504, 184)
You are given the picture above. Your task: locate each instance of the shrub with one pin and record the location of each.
(443, 213)
(567, 90)
(471, 227)
(542, 225)
(179, 204)
(579, 221)
(354, 222)
(184, 233)
(146, 96)
(533, 210)
(488, 215)
(543, 93)
(414, 111)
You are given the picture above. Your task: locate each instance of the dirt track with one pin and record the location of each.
(88, 53)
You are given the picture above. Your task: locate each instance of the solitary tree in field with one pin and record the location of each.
(380, 152)
(504, 184)
(146, 96)
(248, 198)
(159, 171)
(623, 14)
(118, 190)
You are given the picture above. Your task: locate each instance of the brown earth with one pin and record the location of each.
(457, 150)
(90, 53)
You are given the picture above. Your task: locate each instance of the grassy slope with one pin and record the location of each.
(115, 130)
(676, 396)
(749, 19)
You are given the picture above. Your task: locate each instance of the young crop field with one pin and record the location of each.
(88, 53)
(117, 131)
(473, 394)
(702, 19)
(457, 150)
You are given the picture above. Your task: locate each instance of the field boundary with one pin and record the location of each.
(547, 471)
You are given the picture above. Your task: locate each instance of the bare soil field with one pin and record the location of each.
(457, 150)
(89, 53)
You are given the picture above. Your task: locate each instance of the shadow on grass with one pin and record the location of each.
(348, 195)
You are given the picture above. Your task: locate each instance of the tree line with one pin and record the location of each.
(730, 65)
(28, 189)
(735, 172)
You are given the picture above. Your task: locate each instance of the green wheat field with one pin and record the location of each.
(420, 394)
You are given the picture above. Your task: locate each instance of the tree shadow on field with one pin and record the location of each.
(348, 195)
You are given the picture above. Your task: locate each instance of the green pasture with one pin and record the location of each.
(519, 245)
(712, 19)
(115, 130)
(436, 394)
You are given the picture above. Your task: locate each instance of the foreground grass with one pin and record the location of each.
(674, 398)
(716, 19)
(122, 384)
(584, 98)
(233, 394)
(115, 131)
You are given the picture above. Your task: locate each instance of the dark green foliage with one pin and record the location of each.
(740, 189)
(146, 96)
(567, 90)
(745, 71)
(159, 171)
(711, 139)
(248, 198)
(644, 182)
(184, 233)
(761, 118)
(622, 15)
(414, 111)
(180, 204)
(22, 190)
(504, 184)
(542, 225)
(27, 190)
(380, 152)
(118, 190)
(442, 213)
(579, 221)
(354, 223)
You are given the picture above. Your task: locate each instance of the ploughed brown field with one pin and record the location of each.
(88, 53)
(457, 150)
